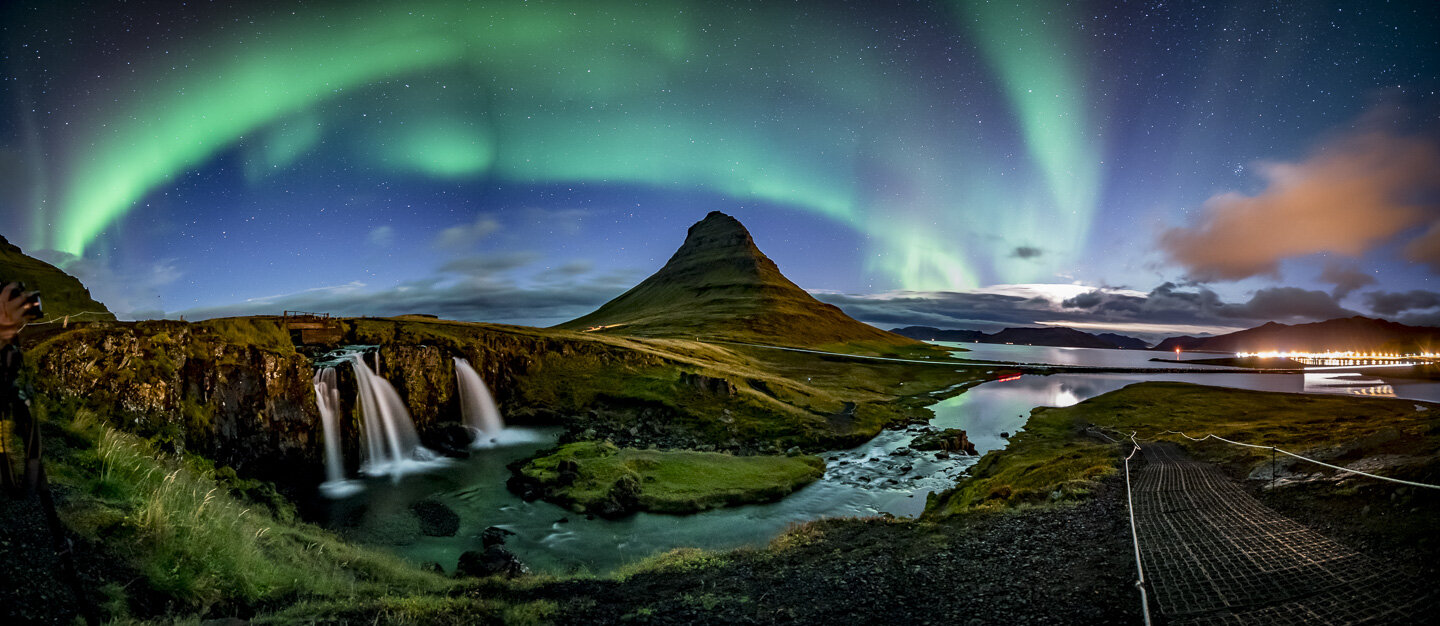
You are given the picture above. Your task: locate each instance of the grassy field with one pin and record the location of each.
(666, 481)
(177, 535)
(765, 397)
(1054, 458)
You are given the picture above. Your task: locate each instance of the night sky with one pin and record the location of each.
(1151, 167)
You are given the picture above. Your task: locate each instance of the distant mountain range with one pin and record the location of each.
(1359, 334)
(1055, 336)
(719, 285)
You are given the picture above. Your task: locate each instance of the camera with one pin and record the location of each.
(32, 298)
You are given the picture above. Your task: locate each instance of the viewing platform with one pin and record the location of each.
(312, 328)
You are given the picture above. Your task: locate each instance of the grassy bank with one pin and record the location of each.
(589, 476)
(170, 536)
(1049, 460)
(1054, 458)
(727, 395)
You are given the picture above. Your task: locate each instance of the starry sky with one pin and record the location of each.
(1146, 167)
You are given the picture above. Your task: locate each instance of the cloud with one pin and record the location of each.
(1026, 252)
(1355, 193)
(382, 237)
(1168, 309)
(481, 301)
(1346, 279)
(1396, 302)
(489, 265)
(566, 271)
(465, 236)
(129, 295)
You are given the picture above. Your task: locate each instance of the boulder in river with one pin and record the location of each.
(493, 561)
(949, 440)
(436, 519)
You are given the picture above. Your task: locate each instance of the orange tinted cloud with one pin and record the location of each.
(1347, 197)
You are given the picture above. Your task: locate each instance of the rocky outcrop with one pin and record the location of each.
(948, 440)
(494, 560)
(190, 389)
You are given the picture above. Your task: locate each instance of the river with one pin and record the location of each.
(881, 476)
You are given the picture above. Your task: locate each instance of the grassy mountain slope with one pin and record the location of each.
(719, 285)
(61, 293)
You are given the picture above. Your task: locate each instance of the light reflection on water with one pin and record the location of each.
(866, 480)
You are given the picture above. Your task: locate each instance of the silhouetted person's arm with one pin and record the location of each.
(13, 306)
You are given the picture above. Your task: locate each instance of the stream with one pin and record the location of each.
(881, 476)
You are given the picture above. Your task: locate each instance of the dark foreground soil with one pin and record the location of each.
(1071, 564)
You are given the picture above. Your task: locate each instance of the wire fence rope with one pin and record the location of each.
(1135, 536)
(1274, 449)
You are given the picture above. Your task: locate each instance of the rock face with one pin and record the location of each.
(719, 285)
(189, 388)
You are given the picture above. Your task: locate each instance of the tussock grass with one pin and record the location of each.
(262, 332)
(199, 544)
(676, 561)
(415, 609)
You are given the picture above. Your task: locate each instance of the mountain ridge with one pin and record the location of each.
(1052, 336)
(1357, 333)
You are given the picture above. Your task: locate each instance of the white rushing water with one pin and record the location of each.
(327, 397)
(477, 406)
(391, 446)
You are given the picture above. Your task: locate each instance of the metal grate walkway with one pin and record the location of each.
(1213, 554)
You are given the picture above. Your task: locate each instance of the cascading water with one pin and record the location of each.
(391, 445)
(327, 397)
(477, 406)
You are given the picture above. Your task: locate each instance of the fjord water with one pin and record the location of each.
(869, 479)
(1092, 357)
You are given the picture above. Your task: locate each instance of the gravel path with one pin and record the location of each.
(1215, 555)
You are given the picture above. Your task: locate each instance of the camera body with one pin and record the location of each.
(35, 312)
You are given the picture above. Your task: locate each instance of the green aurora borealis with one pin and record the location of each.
(933, 146)
(590, 92)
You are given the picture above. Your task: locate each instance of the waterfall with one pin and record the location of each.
(477, 407)
(327, 398)
(390, 440)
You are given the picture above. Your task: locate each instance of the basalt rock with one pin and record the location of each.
(493, 561)
(708, 384)
(436, 519)
(948, 440)
(190, 389)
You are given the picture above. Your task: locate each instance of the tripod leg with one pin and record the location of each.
(7, 474)
(32, 445)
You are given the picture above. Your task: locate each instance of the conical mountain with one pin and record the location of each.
(718, 285)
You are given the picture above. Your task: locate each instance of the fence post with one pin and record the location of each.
(1272, 468)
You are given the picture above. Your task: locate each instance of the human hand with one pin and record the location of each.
(13, 306)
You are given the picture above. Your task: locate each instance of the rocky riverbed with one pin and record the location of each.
(1064, 565)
